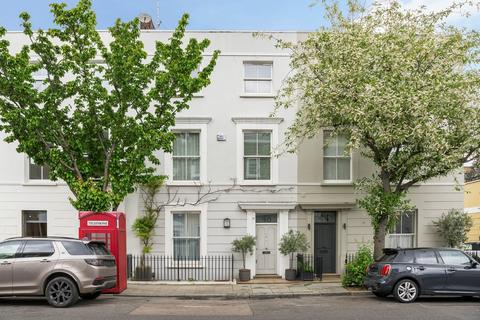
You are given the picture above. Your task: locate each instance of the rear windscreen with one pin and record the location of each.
(76, 248)
(389, 257)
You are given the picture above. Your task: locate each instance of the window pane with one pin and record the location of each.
(329, 145)
(76, 248)
(425, 256)
(407, 222)
(264, 143)
(35, 171)
(193, 225)
(266, 218)
(342, 146)
(251, 86)
(188, 249)
(343, 167)
(8, 249)
(250, 168)
(46, 172)
(264, 86)
(329, 168)
(250, 143)
(179, 145)
(193, 169)
(405, 256)
(37, 249)
(455, 258)
(251, 70)
(178, 224)
(193, 144)
(265, 71)
(264, 169)
(179, 169)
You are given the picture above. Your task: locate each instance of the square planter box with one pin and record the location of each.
(307, 276)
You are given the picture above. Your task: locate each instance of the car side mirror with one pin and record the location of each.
(474, 264)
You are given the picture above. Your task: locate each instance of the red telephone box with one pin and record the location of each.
(108, 227)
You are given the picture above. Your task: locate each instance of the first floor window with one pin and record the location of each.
(336, 160)
(258, 77)
(257, 155)
(186, 235)
(34, 223)
(186, 156)
(37, 172)
(402, 234)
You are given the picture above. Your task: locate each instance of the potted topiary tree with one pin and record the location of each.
(292, 242)
(244, 245)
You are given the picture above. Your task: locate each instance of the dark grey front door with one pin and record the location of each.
(325, 239)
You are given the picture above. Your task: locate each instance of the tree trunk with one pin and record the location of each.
(379, 239)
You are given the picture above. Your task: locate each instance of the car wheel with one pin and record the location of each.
(61, 292)
(380, 295)
(90, 296)
(406, 291)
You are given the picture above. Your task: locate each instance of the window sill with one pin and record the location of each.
(337, 182)
(40, 183)
(247, 183)
(258, 95)
(187, 183)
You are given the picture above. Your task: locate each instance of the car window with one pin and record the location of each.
(425, 256)
(37, 249)
(98, 248)
(8, 249)
(454, 257)
(405, 256)
(388, 257)
(76, 248)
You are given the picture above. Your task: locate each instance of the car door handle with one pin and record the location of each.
(44, 260)
(5, 263)
(421, 268)
(451, 270)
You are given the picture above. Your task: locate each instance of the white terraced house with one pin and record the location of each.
(224, 181)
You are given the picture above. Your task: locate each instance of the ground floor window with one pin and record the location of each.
(186, 235)
(402, 234)
(34, 223)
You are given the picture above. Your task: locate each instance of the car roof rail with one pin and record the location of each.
(40, 238)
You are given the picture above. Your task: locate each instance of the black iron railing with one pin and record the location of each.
(168, 268)
(307, 262)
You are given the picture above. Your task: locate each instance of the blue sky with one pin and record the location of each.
(205, 14)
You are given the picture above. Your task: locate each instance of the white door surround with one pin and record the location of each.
(282, 210)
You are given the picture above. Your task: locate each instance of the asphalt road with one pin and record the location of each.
(344, 307)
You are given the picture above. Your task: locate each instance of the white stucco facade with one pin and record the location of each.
(295, 191)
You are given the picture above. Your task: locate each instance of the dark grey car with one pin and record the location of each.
(409, 273)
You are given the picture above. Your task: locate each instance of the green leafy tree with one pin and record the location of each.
(400, 85)
(293, 242)
(244, 245)
(453, 227)
(104, 108)
(355, 270)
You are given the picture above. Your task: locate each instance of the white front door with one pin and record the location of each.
(266, 249)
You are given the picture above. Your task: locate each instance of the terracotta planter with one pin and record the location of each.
(290, 274)
(244, 274)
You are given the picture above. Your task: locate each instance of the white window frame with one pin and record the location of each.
(202, 211)
(270, 93)
(335, 181)
(241, 128)
(168, 158)
(34, 182)
(188, 132)
(412, 235)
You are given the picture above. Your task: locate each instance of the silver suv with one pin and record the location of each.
(61, 269)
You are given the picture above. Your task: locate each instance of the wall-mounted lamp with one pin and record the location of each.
(344, 226)
(226, 223)
(308, 226)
